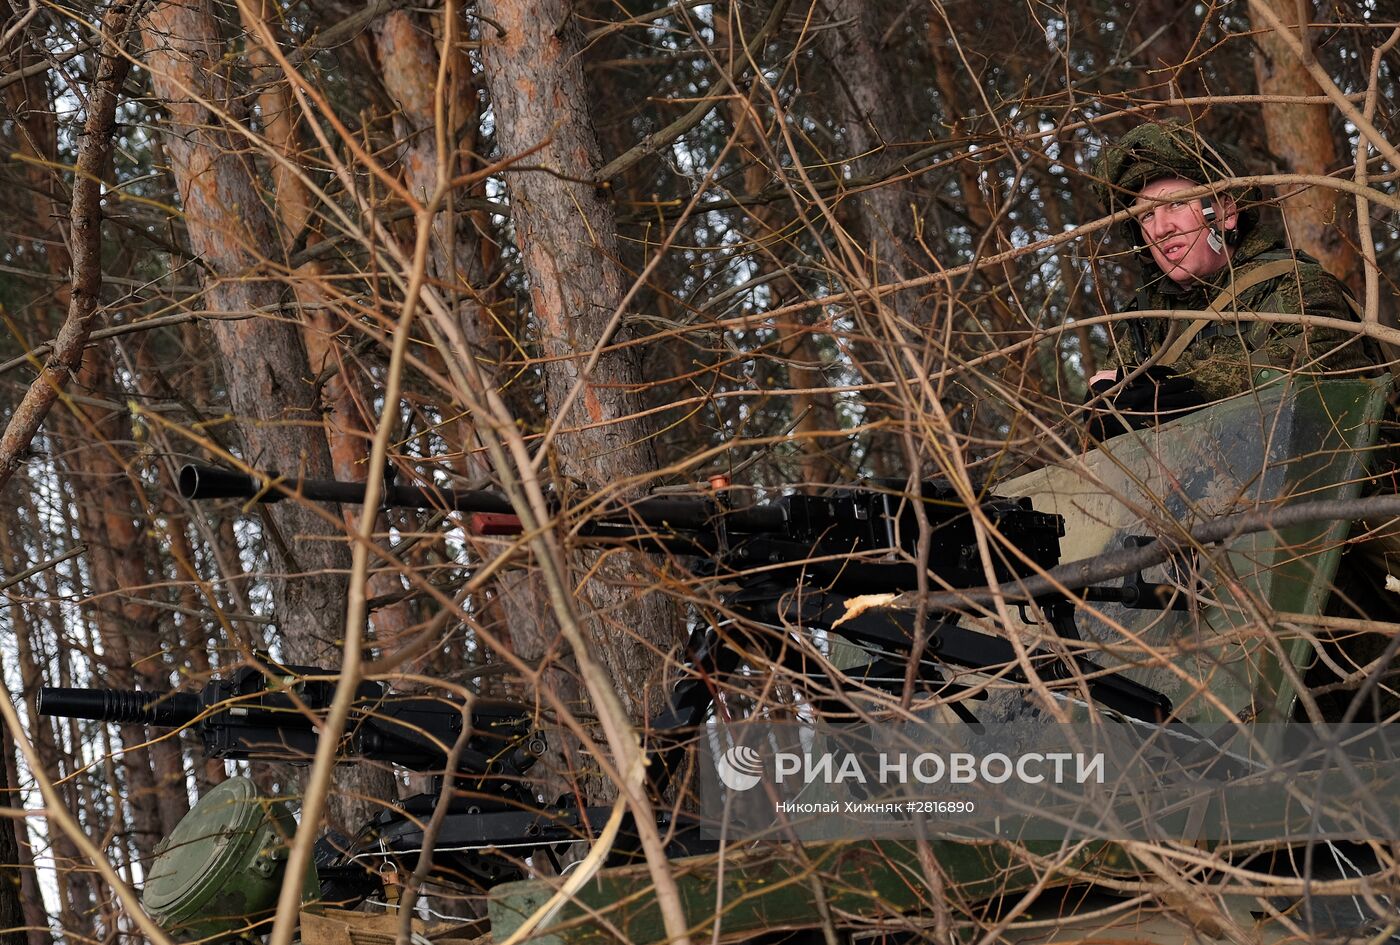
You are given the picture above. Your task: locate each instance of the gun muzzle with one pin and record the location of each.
(209, 482)
(119, 705)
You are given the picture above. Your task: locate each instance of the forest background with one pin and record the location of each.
(533, 245)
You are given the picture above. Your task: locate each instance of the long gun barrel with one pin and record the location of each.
(207, 482)
(863, 538)
(249, 714)
(119, 705)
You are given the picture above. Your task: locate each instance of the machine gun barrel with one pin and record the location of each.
(119, 705)
(875, 519)
(207, 482)
(271, 717)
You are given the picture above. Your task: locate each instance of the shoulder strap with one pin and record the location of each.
(1257, 275)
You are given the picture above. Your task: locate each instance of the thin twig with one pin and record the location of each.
(1371, 296)
(10, 582)
(85, 221)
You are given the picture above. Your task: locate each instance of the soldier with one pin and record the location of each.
(1207, 253)
(1212, 254)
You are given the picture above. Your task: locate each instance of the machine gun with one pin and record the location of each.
(272, 716)
(861, 539)
(493, 818)
(796, 561)
(851, 541)
(271, 712)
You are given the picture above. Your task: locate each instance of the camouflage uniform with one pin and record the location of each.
(1226, 358)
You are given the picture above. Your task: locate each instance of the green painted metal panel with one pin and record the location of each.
(777, 889)
(1283, 443)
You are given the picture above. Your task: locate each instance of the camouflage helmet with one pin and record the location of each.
(1171, 148)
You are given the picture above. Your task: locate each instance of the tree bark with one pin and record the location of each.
(31, 900)
(76, 890)
(263, 357)
(346, 423)
(12, 920)
(42, 736)
(867, 107)
(110, 544)
(566, 231)
(1300, 136)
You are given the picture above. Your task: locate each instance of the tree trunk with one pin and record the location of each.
(110, 546)
(264, 358)
(346, 425)
(41, 735)
(1300, 136)
(77, 890)
(867, 107)
(36, 921)
(12, 919)
(129, 625)
(566, 230)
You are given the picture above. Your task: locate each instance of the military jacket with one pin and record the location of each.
(1226, 358)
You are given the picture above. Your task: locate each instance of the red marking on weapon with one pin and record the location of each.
(495, 523)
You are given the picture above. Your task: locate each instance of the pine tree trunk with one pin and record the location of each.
(322, 319)
(566, 230)
(12, 920)
(1318, 219)
(76, 892)
(129, 625)
(36, 921)
(42, 737)
(263, 357)
(868, 108)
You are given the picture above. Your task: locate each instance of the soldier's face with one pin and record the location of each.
(1178, 233)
